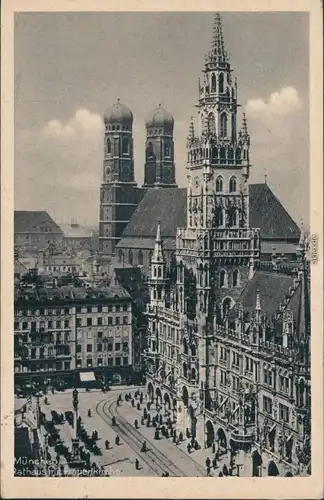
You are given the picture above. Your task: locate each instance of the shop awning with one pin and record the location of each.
(87, 377)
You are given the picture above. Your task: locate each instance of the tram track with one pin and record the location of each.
(153, 457)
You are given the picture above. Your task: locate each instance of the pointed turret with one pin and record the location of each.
(158, 257)
(244, 129)
(218, 53)
(257, 301)
(191, 132)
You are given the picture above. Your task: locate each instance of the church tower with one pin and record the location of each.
(218, 172)
(159, 162)
(118, 193)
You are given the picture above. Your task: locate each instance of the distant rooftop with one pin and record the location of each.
(74, 230)
(26, 221)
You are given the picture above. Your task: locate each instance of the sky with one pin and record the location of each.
(69, 67)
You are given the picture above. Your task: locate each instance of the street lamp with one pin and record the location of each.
(75, 460)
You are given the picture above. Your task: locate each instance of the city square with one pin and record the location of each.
(172, 337)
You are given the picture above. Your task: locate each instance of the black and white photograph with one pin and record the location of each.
(163, 246)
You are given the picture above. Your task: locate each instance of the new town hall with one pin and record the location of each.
(228, 319)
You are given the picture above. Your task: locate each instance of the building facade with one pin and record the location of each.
(228, 335)
(35, 230)
(62, 330)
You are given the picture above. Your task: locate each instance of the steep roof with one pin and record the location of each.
(169, 205)
(27, 221)
(267, 213)
(166, 204)
(272, 287)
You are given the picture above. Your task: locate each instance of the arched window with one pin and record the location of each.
(219, 184)
(185, 371)
(233, 127)
(149, 150)
(232, 217)
(226, 306)
(108, 146)
(213, 85)
(232, 185)
(167, 149)
(238, 154)
(211, 123)
(223, 279)
(193, 373)
(221, 83)
(236, 278)
(193, 350)
(125, 146)
(222, 154)
(130, 257)
(120, 256)
(219, 217)
(223, 130)
(214, 153)
(185, 346)
(140, 258)
(159, 272)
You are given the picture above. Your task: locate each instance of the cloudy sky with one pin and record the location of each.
(70, 66)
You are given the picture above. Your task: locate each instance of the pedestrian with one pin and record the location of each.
(214, 462)
(149, 406)
(53, 390)
(57, 458)
(107, 444)
(113, 421)
(117, 440)
(225, 470)
(189, 448)
(144, 447)
(137, 464)
(147, 423)
(133, 403)
(220, 474)
(196, 445)
(213, 448)
(167, 433)
(207, 462)
(136, 423)
(138, 406)
(62, 470)
(161, 419)
(142, 421)
(208, 471)
(89, 413)
(156, 434)
(187, 432)
(180, 436)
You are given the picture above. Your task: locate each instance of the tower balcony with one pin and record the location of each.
(242, 438)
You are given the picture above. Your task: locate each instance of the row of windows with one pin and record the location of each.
(283, 409)
(32, 326)
(223, 278)
(107, 347)
(125, 146)
(42, 311)
(117, 361)
(100, 321)
(67, 310)
(59, 268)
(48, 365)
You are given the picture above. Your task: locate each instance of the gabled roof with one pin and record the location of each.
(170, 206)
(267, 213)
(27, 221)
(272, 287)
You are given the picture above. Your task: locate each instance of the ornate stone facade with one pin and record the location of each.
(228, 341)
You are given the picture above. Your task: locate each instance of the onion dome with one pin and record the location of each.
(118, 114)
(159, 118)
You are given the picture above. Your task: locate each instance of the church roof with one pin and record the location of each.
(27, 221)
(170, 204)
(167, 204)
(272, 287)
(267, 213)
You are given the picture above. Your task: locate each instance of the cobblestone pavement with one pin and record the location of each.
(120, 460)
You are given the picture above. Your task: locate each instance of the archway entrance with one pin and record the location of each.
(167, 402)
(256, 464)
(272, 469)
(158, 395)
(185, 396)
(150, 391)
(210, 434)
(221, 440)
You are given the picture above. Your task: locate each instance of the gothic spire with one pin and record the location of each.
(244, 125)
(158, 249)
(257, 301)
(191, 133)
(218, 41)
